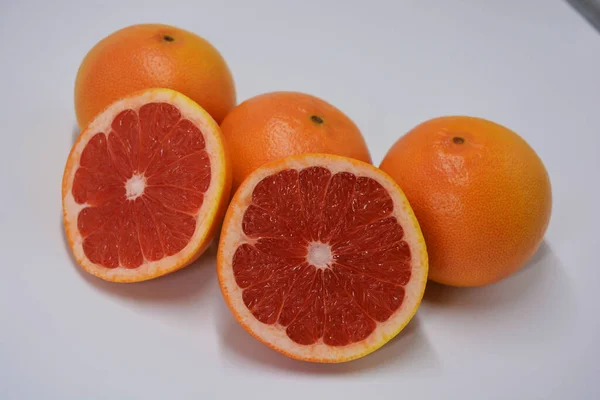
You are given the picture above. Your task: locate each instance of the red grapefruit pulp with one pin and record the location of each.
(143, 186)
(321, 258)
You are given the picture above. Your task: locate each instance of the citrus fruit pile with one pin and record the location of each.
(322, 256)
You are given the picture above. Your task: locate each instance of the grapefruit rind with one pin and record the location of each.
(208, 215)
(274, 335)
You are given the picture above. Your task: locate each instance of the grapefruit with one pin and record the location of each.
(321, 258)
(148, 56)
(145, 186)
(481, 194)
(275, 125)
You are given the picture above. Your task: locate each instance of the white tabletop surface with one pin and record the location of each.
(532, 65)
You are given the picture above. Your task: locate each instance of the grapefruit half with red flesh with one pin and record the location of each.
(321, 257)
(145, 186)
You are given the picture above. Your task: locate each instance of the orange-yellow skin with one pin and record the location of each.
(275, 125)
(480, 192)
(144, 56)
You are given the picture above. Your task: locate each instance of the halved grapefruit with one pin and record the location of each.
(145, 186)
(321, 258)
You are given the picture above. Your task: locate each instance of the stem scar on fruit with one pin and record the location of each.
(316, 119)
(458, 140)
(168, 38)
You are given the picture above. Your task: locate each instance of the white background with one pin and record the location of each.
(531, 65)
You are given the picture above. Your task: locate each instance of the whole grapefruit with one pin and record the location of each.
(275, 125)
(480, 192)
(153, 56)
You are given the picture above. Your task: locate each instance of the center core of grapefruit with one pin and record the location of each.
(134, 187)
(319, 255)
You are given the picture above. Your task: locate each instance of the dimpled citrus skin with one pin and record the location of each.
(480, 192)
(275, 125)
(153, 56)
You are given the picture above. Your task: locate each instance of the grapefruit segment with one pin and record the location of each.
(144, 187)
(321, 257)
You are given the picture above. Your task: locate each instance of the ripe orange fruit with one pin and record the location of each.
(321, 257)
(145, 187)
(153, 56)
(276, 125)
(480, 193)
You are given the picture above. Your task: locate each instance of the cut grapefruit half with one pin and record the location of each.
(321, 258)
(145, 186)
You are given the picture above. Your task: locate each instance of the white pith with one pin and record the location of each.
(275, 335)
(208, 210)
(319, 254)
(134, 187)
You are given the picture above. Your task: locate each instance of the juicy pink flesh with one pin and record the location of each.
(142, 184)
(367, 267)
